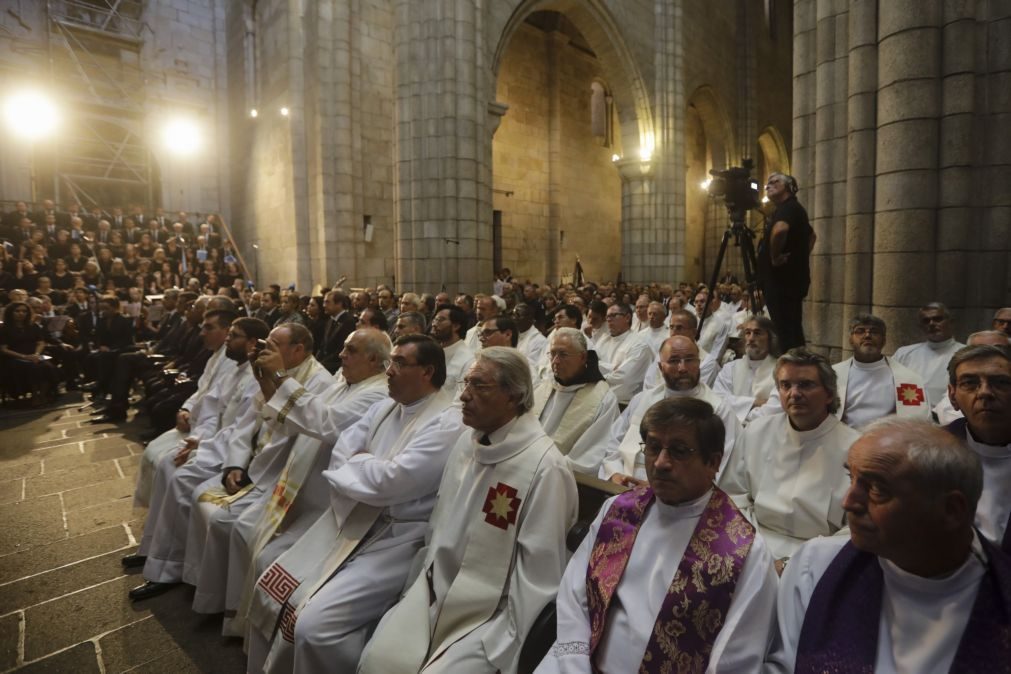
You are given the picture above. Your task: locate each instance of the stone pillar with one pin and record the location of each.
(443, 146)
(556, 42)
(640, 260)
(906, 197)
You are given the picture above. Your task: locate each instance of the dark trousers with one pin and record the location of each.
(786, 312)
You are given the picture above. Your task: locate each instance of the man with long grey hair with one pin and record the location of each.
(496, 542)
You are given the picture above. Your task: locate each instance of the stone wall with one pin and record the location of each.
(554, 181)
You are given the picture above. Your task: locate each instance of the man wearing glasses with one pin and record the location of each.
(666, 543)
(872, 386)
(929, 359)
(786, 473)
(624, 355)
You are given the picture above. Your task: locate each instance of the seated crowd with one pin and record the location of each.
(365, 481)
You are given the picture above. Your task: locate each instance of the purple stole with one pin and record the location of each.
(694, 610)
(840, 631)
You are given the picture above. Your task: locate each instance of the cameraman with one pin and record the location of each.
(783, 259)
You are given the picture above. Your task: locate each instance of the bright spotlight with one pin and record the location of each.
(765, 200)
(31, 115)
(181, 136)
(706, 183)
(615, 157)
(284, 112)
(253, 113)
(645, 153)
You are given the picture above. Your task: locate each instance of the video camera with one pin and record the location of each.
(737, 188)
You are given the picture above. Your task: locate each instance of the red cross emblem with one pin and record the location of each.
(910, 394)
(501, 506)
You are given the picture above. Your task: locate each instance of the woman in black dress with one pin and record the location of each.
(22, 342)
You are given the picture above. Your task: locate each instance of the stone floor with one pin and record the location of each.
(66, 517)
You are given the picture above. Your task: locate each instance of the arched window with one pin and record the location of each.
(600, 113)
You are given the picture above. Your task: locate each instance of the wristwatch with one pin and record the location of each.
(278, 377)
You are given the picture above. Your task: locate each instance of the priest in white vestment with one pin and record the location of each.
(301, 493)
(178, 472)
(944, 410)
(565, 316)
(682, 323)
(576, 407)
(351, 564)
(747, 383)
(929, 359)
(624, 355)
(666, 566)
(485, 307)
(787, 473)
(530, 340)
(495, 547)
(913, 588)
(624, 462)
(213, 332)
(716, 325)
(981, 388)
(448, 328)
(251, 470)
(873, 386)
(655, 330)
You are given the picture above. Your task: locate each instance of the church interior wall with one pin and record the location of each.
(587, 198)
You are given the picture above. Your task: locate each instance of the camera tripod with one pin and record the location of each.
(743, 238)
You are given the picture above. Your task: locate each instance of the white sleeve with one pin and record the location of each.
(589, 450)
(724, 387)
(413, 473)
(210, 408)
(240, 446)
(612, 462)
(735, 479)
(627, 376)
(313, 414)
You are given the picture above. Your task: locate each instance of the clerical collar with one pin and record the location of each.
(969, 572)
(498, 435)
(879, 364)
(827, 424)
(682, 511)
(417, 405)
(695, 392)
(941, 346)
(994, 451)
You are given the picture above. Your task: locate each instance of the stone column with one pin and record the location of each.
(443, 146)
(640, 259)
(556, 42)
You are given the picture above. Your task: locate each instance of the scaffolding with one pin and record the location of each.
(94, 52)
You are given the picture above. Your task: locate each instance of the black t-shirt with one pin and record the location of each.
(794, 276)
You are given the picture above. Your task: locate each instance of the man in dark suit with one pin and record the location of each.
(338, 327)
(269, 311)
(131, 233)
(48, 208)
(113, 336)
(12, 221)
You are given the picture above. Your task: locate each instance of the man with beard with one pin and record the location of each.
(197, 458)
(746, 383)
(448, 330)
(576, 407)
(873, 386)
(679, 368)
(787, 471)
(929, 359)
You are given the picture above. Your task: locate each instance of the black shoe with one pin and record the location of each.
(150, 589)
(133, 561)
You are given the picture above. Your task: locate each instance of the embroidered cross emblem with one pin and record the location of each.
(501, 506)
(910, 394)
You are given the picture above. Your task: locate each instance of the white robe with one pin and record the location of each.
(715, 333)
(473, 338)
(533, 345)
(659, 546)
(165, 530)
(655, 337)
(207, 562)
(626, 433)
(458, 360)
(205, 407)
(994, 505)
(921, 621)
(588, 451)
(930, 361)
(870, 391)
(624, 361)
(537, 562)
(740, 382)
(790, 483)
(333, 626)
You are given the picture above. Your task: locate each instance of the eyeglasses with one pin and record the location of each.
(488, 332)
(614, 316)
(652, 449)
(397, 365)
(560, 355)
(860, 331)
(476, 387)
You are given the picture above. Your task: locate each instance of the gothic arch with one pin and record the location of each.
(774, 155)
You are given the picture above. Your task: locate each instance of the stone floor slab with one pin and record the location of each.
(102, 492)
(100, 516)
(80, 659)
(73, 460)
(28, 523)
(62, 480)
(45, 557)
(9, 641)
(42, 587)
(11, 490)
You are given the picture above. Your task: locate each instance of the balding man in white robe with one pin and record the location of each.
(313, 607)
(929, 359)
(682, 323)
(913, 588)
(624, 462)
(787, 473)
(251, 471)
(576, 407)
(495, 548)
(655, 329)
(873, 386)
